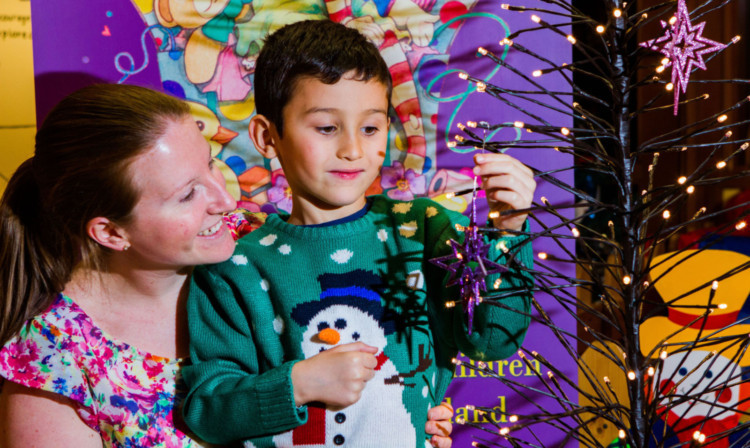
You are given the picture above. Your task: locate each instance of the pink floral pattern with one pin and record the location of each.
(126, 395)
(281, 194)
(405, 184)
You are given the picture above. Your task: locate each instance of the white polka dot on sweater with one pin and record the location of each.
(425, 391)
(341, 256)
(268, 240)
(239, 260)
(285, 249)
(264, 285)
(278, 325)
(382, 235)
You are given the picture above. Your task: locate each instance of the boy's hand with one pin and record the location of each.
(509, 185)
(440, 426)
(336, 376)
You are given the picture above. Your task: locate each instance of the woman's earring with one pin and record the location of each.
(125, 247)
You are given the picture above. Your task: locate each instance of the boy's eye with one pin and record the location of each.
(370, 130)
(326, 130)
(188, 196)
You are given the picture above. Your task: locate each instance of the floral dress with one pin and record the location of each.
(126, 395)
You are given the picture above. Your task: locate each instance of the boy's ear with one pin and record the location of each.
(262, 133)
(107, 233)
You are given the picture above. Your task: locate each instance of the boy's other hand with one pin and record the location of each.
(336, 376)
(509, 185)
(439, 425)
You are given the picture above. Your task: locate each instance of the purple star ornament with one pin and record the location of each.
(684, 46)
(469, 266)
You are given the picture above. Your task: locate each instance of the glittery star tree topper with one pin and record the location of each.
(684, 47)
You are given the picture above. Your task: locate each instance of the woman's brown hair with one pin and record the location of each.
(79, 171)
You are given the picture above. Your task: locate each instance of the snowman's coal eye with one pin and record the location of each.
(355, 336)
(322, 326)
(340, 324)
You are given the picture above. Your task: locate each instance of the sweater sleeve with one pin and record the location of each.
(234, 393)
(502, 319)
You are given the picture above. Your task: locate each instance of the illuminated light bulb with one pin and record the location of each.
(550, 375)
(722, 119)
(606, 379)
(471, 124)
(626, 280)
(493, 215)
(456, 361)
(672, 20)
(451, 144)
(571, 39)
(621, 434)
(644, 16)
(745, 146)
(542, 255)
(682, 180)
(650, 168)
(576, 233)
(666, 214)
(728, 134)
(460, 256)
(482, 51)
(670, 87)
(535, 18)
(736, 39)
(507, 42)
(722, 306)
(470, 407)
(645, 284)
(740, 225)
(481, 87)
(631, 375)
(715, 285)
(518, 124)
(463, 75)
(460, 420)
(513, 418)
(501, 245)
(482, 365)
(497, 283)
(617, 13)
(690, 189)
(663, 354)
(650, 371)
(600, 29)
(536, 73)
(504, 431)
(721, 165)
(644, 193)
(706, 96)
(565, 131)
(544, 200)
(450, 195)
(696, 435)
(659, 69)
(505, 6)
(684, 148)
(665, 61)
(459, 138)
(557, 149)
(461, 126)
(450, 304)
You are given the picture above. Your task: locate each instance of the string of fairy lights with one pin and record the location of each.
(658, 406)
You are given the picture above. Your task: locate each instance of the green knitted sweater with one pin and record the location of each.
(252, 317)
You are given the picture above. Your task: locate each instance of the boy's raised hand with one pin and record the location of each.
(336, 376)
(509, 185)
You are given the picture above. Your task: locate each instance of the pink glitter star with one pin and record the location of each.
(684, 45)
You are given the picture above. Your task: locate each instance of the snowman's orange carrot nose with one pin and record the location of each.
(329, 336)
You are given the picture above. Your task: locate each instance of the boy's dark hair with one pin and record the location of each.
(320, 49)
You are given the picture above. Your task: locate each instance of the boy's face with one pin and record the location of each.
(333, 146)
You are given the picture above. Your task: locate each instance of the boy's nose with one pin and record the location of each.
(351, 149)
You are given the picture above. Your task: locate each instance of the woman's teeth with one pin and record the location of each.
(211, 230)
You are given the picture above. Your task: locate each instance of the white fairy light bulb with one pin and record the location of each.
(740, 225)
(682, 180)
(617, 13)
(542, 255)
(482, 51)
(535, 18)
(565, 131)
(690, 189)
(504, 431)
(722, 119)
(721, 165)
(463, 75)
(536, 73)
(518, 124)
(715, 285)
(650, 371)
(576, 233)
(621, 434)
(600, 29)
(673, 20)
(571, 39)
(669, 87)
(626, 280)
(631, 375)
(666, 214)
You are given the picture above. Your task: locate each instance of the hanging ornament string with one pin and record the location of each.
(684, 47)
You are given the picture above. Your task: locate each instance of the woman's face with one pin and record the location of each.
(177, 221)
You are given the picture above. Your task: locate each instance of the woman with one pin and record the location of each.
(99, 231)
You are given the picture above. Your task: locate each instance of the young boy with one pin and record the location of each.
(329, 327)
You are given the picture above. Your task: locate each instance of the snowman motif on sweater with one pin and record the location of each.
(346, 314)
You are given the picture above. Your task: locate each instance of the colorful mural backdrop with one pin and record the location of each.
(205, 51)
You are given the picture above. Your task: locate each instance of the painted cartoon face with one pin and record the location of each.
(333, 146)
(678, 375)
(177, 221)
(341, 324)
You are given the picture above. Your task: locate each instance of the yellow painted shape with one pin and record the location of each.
(145, 6)
(455, 203)
(240, 110)
(18, 110)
